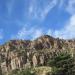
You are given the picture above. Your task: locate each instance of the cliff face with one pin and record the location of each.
(18, 54)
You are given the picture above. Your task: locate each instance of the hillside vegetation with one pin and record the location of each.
(43, 56)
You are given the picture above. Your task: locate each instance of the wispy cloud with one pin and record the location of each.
(38, 12)
(68, 32)
(61, 3)
(1, 34)
(37, 33)
(28, 33)
(71, 7)
(48, 8)
(9, 6)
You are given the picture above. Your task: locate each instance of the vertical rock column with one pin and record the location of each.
(34, 60)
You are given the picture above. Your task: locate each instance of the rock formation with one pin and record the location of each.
(18, 54)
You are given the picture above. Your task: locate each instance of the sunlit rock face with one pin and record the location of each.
(43, 42)
(19, 54)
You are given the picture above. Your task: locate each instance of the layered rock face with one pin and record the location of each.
(19, 54)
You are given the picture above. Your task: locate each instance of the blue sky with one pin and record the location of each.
(29, 19)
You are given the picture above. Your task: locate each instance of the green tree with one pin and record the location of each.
(62, 64)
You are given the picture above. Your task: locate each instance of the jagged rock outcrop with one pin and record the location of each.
(43, 42)
(18, 54)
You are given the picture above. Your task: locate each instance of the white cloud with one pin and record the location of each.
(32, 6)
(68, 32)
(9, 6)
(48, 8)
(37, 12)
(37, 33)
(1, 34)
(40, 12)
(61, 3)
(26, 33)
(71, 7)
(50, 32)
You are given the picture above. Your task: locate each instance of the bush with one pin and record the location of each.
(22, 72)
(62, 64)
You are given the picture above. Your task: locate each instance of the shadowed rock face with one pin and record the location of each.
(25, 53)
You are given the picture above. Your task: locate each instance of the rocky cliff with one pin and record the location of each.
(19, 54)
